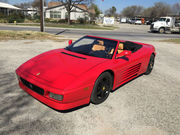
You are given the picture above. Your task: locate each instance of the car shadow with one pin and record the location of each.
(64, 111)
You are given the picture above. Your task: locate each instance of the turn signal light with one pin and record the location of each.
(56, 96)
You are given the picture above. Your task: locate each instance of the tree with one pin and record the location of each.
(149, 12)
(24, 5)
(176, 9)
(158, 10)
(96, 8)
(132, 11)
(36, 4)
(111, 12)
(69, 4)
(161, 9)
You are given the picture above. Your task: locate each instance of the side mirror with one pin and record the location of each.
(70, 42)
(124, 53)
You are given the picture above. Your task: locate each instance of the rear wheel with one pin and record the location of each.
(102, 88)
(150, 65)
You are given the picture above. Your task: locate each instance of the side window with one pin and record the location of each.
(168, 20)
(131, 46)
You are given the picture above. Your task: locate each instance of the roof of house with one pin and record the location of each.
(5, 5)
(80, 6)
(92, 11)
(54, 4)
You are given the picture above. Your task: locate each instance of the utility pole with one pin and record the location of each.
(42, 15)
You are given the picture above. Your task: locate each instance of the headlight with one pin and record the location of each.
(56, 96)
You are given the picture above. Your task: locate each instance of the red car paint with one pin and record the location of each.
(74, 78)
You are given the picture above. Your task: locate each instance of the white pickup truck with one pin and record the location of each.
(164, 24)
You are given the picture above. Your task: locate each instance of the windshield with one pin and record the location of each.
(162, 19)
(91, 46)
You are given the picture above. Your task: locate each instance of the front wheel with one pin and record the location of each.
(150, 65)
(161, 30)
(102, 88)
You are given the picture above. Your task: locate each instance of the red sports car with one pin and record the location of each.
(85, 71)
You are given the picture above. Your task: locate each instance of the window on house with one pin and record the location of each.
(66, 15)
(55, 14)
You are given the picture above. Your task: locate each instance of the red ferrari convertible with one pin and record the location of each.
(85, 71)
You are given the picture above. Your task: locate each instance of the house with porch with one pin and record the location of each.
(58, 11)
(7, 9)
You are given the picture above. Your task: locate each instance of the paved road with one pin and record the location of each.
(126, 32)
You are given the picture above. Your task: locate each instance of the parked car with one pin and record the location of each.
(85, 71)
(123, 20)
(138, 21)
(132, 21)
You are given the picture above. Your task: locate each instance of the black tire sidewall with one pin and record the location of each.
(149, 70)
(94, 99)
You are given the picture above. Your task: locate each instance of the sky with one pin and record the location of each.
(119, 4)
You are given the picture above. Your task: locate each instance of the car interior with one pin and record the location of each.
(133, 47)
(99, 46)
(130, 46)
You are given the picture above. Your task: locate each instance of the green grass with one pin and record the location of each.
(75, 26)
(23, 35)
(176, 40)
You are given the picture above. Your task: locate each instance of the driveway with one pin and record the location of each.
(148, 105)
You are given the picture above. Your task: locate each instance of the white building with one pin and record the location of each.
(60, 12)
(7, 9)
(32, 11)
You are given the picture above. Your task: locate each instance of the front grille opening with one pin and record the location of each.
(32, 87)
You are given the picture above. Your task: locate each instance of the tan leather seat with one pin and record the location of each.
(99, 47)
(120, 48)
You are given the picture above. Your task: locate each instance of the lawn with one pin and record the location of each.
(75, 26)
(22, 35)
(175, 40)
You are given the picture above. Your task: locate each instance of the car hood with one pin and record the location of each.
(60, 67)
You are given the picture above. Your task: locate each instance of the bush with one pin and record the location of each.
(62, 21)
(2, 16)
(81, 20)
(3, 21)
(49, 20)
(18, 17)
(36, 17)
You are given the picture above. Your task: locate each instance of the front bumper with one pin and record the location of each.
(154, 29)
(71, 98)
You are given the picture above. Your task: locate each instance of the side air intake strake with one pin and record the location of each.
(131, 72)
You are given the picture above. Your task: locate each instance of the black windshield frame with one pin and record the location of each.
(108, 43)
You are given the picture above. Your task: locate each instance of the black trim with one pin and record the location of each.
(73, 55)
(32, 87)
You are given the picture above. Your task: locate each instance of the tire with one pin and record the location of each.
(102, 88)
(161, 30)
(150, 65)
